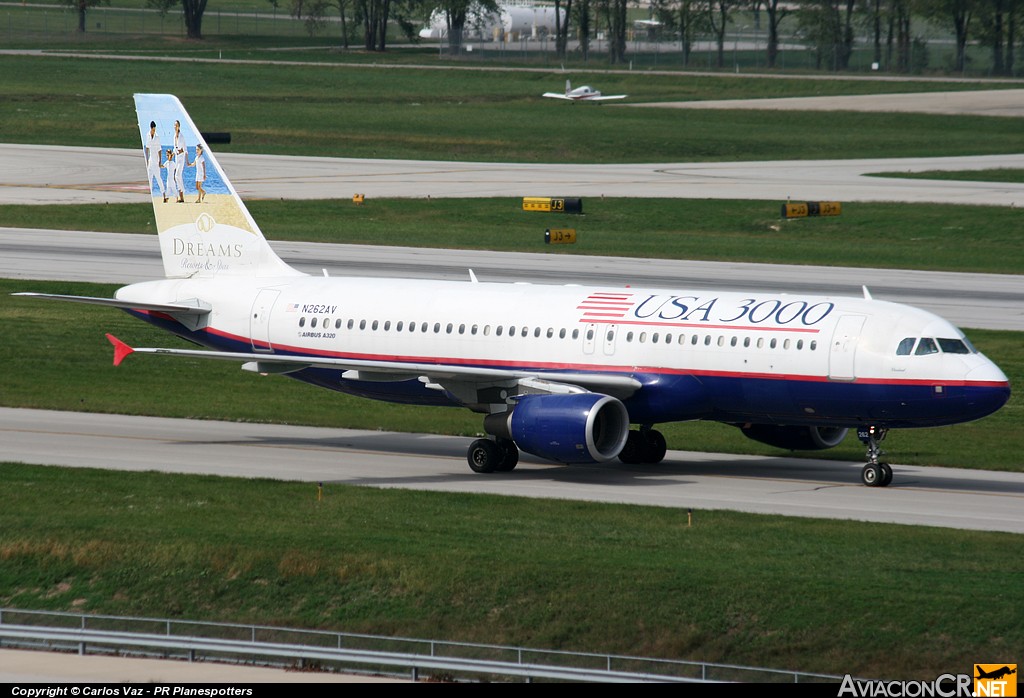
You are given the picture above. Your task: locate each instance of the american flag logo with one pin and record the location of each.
(292, 307)
(606, 306)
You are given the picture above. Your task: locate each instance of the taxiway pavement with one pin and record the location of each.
(989, 301)
(947, 497)
(38, 174)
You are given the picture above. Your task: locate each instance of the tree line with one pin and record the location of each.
(827, 27)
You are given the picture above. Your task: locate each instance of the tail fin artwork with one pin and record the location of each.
(204, 228)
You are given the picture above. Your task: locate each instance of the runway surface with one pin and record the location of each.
(990, 301)
(1008, 103)
(947, 497)
(45, 174)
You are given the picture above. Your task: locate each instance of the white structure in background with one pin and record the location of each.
(513, 20)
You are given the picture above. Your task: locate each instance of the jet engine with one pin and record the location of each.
(574, 428)
(796, 438)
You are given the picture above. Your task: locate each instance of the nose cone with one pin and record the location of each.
(989, 389)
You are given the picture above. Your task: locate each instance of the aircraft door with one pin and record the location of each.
(843, 351)
(609, 333)
(259, 320)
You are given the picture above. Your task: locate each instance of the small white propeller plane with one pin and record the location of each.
(561, 372)
(582, 94)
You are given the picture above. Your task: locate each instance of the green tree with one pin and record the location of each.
(82, 7)
(718, 20)
(192, 13)
(828, 26)
(562, 27)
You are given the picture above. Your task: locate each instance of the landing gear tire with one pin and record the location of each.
(644, 446)
(510, 455)
(485, 456)
(872, 475)
(655, 446)
(875, 473)
(632, 452)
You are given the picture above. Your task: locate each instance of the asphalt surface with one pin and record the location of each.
(989, 301)
(966, 499)
(1009, 103)
(37, 174)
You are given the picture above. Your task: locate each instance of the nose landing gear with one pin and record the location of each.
(875, 473)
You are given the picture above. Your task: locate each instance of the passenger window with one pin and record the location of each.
(590, 335)
(561, 333)
(643, 337)
(926, 346)
(746, 341)
(773, 343)
(337, 324)
(498, 330)
(387, 325)
(814, 344)
(732, 342)
(575, 334)
(654, 338)
(905, 347)
(375, 325)
(312, 323)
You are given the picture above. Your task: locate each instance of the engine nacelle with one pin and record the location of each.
(796, 438)
(578, 428)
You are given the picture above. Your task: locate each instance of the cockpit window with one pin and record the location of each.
(926, 346)
(906, 346)
(953, 346)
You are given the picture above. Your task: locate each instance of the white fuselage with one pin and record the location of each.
(739, 353)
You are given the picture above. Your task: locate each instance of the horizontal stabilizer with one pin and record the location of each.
(121, 350)
(194, 307)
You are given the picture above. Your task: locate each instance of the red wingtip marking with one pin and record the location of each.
(121, 350)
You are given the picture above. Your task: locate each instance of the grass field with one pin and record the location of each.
(478, 115)
(1007, 175)
(78, 376)
(922, 236)
(822, 596)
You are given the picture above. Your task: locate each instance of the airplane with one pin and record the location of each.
(995, 674)
(560, 372)
(582, 94)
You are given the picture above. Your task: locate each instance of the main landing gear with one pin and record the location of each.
(874, 474)
(486, 456)
(645, 445)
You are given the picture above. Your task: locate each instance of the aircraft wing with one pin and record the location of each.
(195, 307)
(605, 98)
(557, 95)
(616, 384)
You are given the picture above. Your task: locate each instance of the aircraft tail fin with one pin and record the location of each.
(568, 86)
(204, 228)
